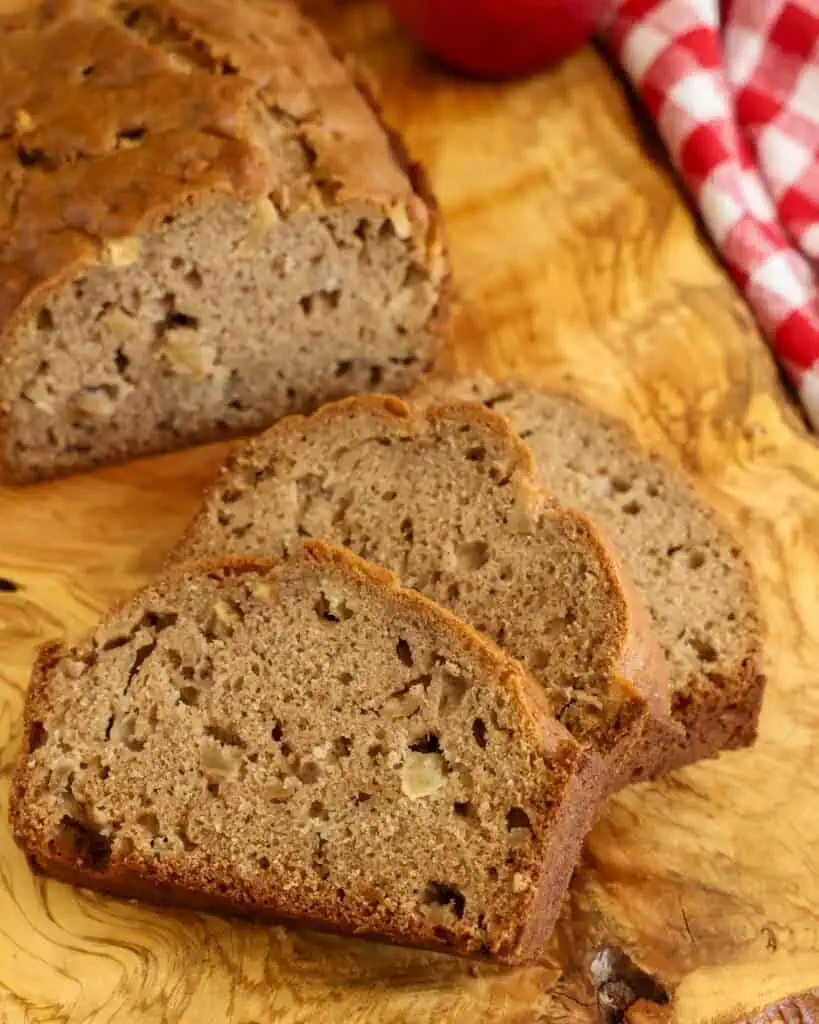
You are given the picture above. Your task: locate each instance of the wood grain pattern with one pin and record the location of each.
(575, 260)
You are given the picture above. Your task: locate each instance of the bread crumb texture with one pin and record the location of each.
(305, 741)
(687, 566)
(448, 501)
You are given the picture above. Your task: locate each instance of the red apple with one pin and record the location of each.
(499, 38)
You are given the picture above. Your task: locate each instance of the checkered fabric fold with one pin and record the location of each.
(734, 91)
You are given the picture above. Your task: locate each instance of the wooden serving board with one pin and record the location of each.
(576, 260)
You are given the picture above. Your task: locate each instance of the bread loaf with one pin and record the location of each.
(203, 225)
(306, 743)
(688, 568)
(447, 501)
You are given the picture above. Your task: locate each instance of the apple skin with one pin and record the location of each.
(499, 38)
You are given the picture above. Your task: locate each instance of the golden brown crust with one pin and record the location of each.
(128, 876)
(152, 105)
(390, 408)
(165, 94)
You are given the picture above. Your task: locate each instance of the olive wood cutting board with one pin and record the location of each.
(576, 262)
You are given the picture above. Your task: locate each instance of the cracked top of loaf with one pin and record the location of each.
(114, 113)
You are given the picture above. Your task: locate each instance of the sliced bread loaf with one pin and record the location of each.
(204, 225)
(311, 743)
(686, 565)
(447, 501)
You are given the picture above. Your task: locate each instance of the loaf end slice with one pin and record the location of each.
(687, 566)
(204, 226)
(446, 499)
(307, 743)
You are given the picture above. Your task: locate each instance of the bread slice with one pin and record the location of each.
(686, 564)
(447, 501)
(204, 225)
(311, 743)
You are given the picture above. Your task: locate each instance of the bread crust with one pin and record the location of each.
(131, 876)
(174, 95)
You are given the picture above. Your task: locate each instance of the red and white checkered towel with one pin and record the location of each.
(734, 90)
